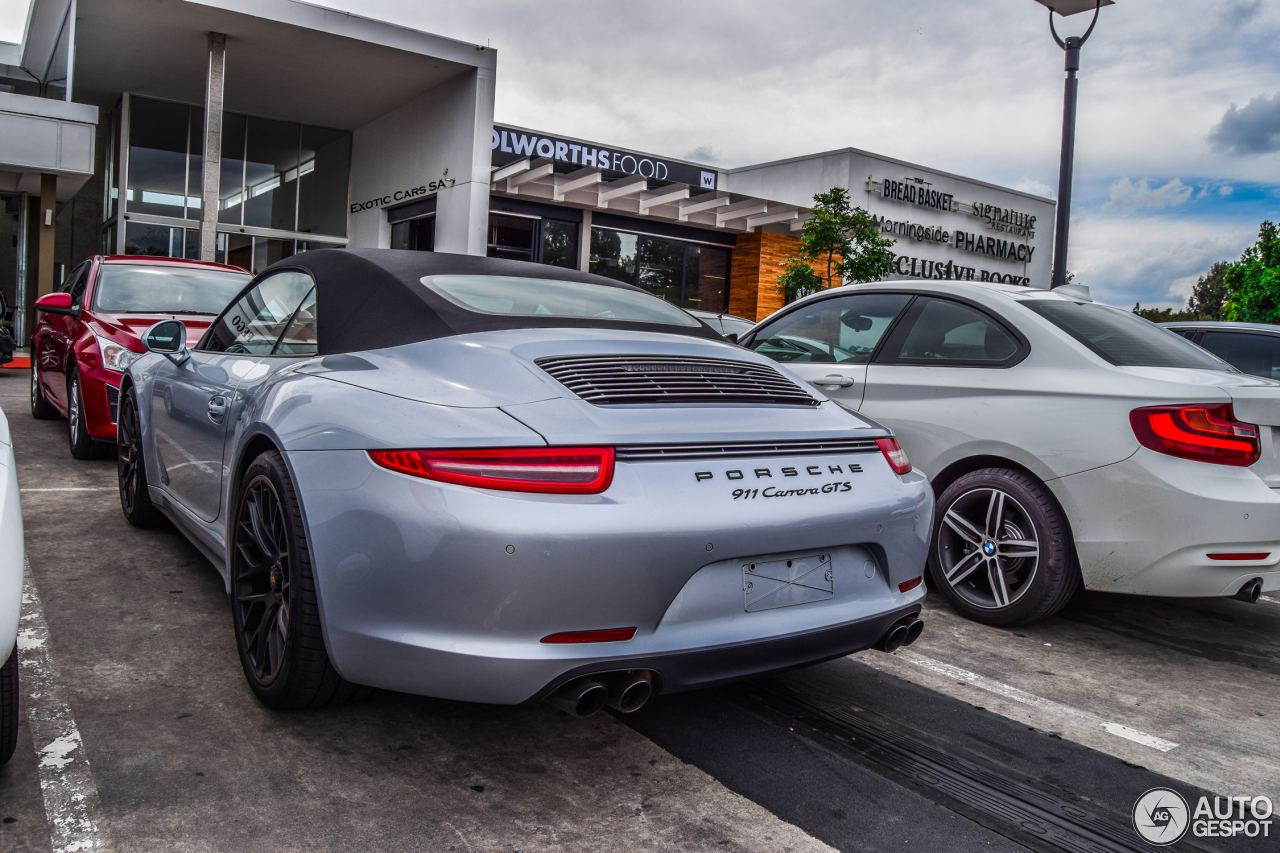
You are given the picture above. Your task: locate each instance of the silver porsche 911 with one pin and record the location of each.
(501, 482)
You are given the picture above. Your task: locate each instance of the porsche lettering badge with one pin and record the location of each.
(782, 583)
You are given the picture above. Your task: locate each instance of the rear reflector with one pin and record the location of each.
(552, 470)
(907, 586)
(896, 456)
(1260, 556)
(1203, 433)
(611, 635)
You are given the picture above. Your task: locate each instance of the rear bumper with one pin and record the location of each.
(1147, 525)
(447, 591)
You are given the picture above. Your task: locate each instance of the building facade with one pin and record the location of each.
(245, 132)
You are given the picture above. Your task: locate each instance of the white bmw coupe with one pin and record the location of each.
(11, 555)
(1067, 441)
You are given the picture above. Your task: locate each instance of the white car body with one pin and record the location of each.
(11, 547)
(1143, 522)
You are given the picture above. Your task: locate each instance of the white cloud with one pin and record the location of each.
(1128, 196)
(1226, 190)
(13, 18)
(1031, 185)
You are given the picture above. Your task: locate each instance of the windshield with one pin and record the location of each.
(165, 290)
(1123, 338)
(549, 298)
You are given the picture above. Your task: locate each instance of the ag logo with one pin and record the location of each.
(1161, 816)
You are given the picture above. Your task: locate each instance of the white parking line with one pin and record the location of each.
(75, 489)
(1010, 692)
(71, 804)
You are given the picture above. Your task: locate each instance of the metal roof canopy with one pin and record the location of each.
(285, 59)
(1073, 7)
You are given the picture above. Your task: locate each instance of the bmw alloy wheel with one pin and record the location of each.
(987, 548)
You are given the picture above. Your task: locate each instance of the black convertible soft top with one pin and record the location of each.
(374, 298)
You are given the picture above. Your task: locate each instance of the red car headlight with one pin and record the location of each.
(551, 470)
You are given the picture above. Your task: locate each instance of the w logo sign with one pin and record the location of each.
(708, 180)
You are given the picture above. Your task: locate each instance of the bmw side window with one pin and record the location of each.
(1255, 354)
(254, 323)
(841, 330)
(946, 332)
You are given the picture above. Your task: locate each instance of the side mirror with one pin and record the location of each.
(169, 338)
(731, 337)
(57, 303)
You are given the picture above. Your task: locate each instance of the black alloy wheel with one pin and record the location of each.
(135, 498)
(41, 409)
(273, 596)
(1002, 550)
(9, 706)
(83, 445)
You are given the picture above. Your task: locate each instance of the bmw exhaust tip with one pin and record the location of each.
(581, 697)
(1251, 591)
(629, 690)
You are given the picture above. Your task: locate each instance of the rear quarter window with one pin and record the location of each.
(1123, 338)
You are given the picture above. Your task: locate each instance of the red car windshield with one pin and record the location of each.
(142, 289)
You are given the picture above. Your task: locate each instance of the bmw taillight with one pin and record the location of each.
(895, 455)
(552, 470)
(1202, 433)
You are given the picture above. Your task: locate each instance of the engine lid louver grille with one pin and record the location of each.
(729, 450)
(619, 380)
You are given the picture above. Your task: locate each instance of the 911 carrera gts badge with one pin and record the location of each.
(811, 470)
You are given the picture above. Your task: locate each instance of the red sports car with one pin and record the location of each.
(88, 333)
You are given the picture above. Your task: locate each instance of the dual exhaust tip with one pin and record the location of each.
(903, 633)
(626, 691)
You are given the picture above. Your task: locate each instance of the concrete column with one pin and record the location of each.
(48, 213)
(584, 245)
(212, 163)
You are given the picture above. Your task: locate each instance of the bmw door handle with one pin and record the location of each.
(217, 409)
(834, 380)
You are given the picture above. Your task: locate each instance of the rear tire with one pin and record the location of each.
(131, 468)
(273, 596)
(41, 409)
(82, 445)
(1002, 552)
(9, 706)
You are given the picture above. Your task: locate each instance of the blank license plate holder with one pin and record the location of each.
(787, 581)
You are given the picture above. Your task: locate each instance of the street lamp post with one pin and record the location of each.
(1071, 47)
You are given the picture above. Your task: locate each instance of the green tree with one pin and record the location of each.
(1208, 293)
(1163, 315)
(839, 239)
(1253, 282)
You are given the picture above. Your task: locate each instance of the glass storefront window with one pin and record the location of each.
(512, 237)
(109, 177)
(231, 179)
(686, 274)
(195, 164)
(271, 174)
(613, 254)
(158, 241)
(323, 170)
(559, 244)
(416, 234)
(157, 157)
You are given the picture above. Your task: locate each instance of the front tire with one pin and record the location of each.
(9, 706)
(41, 409)
(273, 596)
(131, 468)
(1002, 551)
(82, 444)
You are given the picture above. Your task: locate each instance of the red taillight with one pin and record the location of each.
(1202, 433)
(895, 455)
(1256, 556)
(554, 470)
(907, 586)
(612, 635)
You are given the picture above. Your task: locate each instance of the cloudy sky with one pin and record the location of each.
(1177, 152)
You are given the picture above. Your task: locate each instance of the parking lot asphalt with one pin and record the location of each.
(128, 642)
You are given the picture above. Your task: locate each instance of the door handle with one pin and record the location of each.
(834, 379)
(217, 409)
